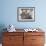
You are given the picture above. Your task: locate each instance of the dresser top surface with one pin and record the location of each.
(22, 30)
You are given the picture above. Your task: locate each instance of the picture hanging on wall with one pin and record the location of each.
(26, 14)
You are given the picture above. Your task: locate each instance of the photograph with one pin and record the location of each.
(26, 14)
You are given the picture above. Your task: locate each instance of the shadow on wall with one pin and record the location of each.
(2, 26)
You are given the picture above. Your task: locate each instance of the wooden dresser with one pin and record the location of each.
(23, 38)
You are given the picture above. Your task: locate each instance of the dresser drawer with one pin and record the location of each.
(9, 45)
(37, 44)
(34, 33)
(12, 44)
(13, 33)
(12, 39)
(37, 39)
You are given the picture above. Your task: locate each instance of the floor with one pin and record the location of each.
(0, 44)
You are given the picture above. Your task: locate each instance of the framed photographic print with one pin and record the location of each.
(26, 14)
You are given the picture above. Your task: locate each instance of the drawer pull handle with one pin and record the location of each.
(33, 39)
